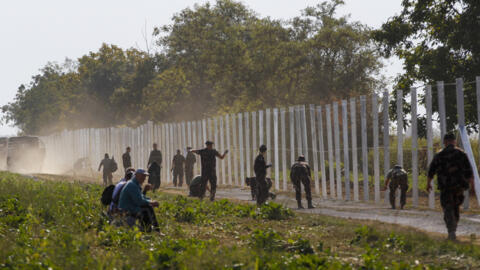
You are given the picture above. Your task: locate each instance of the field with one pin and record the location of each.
(47, 224)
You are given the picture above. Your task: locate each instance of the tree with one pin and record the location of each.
(212, 59)
(438, 41)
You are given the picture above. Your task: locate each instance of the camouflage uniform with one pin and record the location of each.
(398, 178)
(107, 171)
(260, 168)
(208, 159)
(189, 163)
(453, 170)
(126, 160)
(300, 174)
(154, 168)
(178, 161)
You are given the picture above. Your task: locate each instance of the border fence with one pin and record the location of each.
(350, 144)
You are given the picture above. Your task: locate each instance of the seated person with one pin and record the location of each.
(118, 188)
(136, 205)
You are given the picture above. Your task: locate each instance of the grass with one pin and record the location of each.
(59, 225)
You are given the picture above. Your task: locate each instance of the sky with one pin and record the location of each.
(37, 32)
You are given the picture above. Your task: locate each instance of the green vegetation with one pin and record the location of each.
(60, 225)
(211, 59)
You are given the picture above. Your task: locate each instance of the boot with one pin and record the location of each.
(300, 206)
(452, 236)
(310, 205)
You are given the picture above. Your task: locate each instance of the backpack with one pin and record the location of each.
(116, 199)
(114, 167)
(107, 195)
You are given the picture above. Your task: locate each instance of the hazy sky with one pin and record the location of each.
(35, 32)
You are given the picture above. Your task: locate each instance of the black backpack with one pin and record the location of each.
(107, 195)
(114, 167)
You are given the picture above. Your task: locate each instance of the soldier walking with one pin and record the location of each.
(208, 157)
(107, 165)
(454, 176)
(154, 167)
(177, 168)
(189, 164)
(126, 159)
(300, 174)
(260, 167)
(397, 178)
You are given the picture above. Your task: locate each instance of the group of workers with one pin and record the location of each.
(451, 166)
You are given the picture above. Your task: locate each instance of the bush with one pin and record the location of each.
(274, 211)
(266, 240)
(299, 245)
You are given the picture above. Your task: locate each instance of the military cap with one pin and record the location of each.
(449, 137)
(301, 158)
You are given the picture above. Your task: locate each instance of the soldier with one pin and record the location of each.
(107, 170)
(189, 164)
(260, 167)
(207, 157)
(454, 176)
(397, 177)
(300, 174)
(154, 167)
(177, 168)
(126, 159)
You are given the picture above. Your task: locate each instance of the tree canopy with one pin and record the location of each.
(438, 41)
(211, 59)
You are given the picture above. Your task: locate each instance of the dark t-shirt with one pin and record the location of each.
(208, 158)
(155, 157)
(260, 167)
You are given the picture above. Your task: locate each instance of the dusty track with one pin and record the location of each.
(423, 219)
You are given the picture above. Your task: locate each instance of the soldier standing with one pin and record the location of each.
(154, 167)
(300, 174)
(208, 157)
(177, 168)
(126, 159)
(260, 167)
(397, 177)
(454, 176)
(107, 170)
(189, 164)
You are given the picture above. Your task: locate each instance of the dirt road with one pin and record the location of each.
(426, 220)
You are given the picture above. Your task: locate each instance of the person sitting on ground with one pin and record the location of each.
(118, 189)
(136, 205)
